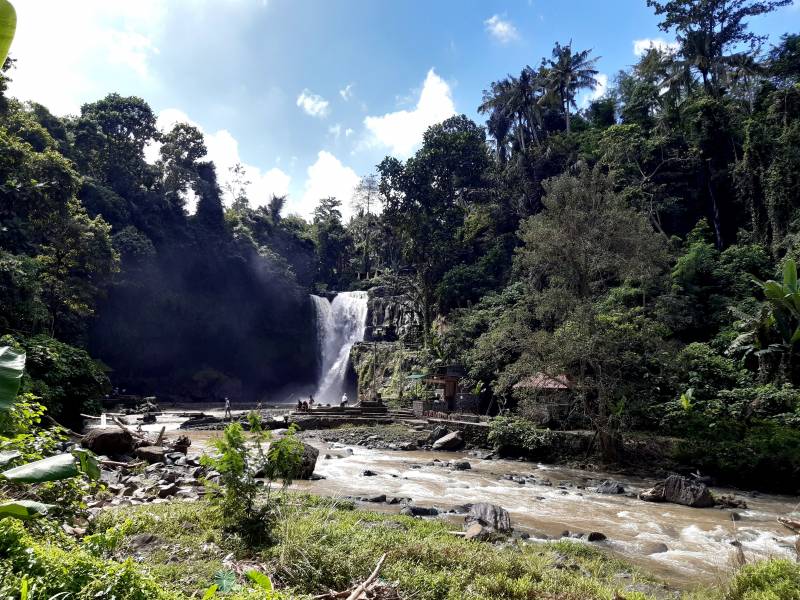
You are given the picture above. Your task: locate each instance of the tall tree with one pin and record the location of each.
(366, 201)
(569, 72)
(707, 30)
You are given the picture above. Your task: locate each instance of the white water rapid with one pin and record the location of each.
(340, 324)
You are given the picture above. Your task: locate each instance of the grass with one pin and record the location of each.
(174, 551)
(325, 545)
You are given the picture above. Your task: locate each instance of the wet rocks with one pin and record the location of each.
(610, 487)
(368, 473)
(679, 490)
(451, 441)
(310, 455)
(595, 536)
(476, 531)
(166, 491)
(461, 465)
(649, 548)
(730, 501)
(379, 498)
(438, 432)
(412, 510)
(109, 442)
(490, 516)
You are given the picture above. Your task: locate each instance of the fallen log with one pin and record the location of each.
(124, 465)
(122, 425)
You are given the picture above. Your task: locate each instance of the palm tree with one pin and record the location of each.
(515, 103)
(569, 72)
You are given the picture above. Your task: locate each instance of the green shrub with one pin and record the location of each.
(51, 569)
(66, 379)
(240, 465)
(516, 436)
(770, 580)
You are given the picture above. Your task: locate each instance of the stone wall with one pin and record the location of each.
(391, 363)
(390, 316)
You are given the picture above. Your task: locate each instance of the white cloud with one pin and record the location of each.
(501, 30)
(402, 131)
(67, 55)
(326, 177)
(223, 150)
(643, 45)
(598, 92)
(313, 104)
(348, 132)
(335, 130)
(346, 92)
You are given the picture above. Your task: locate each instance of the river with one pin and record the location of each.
(698, 541)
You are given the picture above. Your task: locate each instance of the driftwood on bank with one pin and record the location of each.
(122, 425)
(793, 524)
(366, 589)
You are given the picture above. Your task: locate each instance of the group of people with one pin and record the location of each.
(307, 405)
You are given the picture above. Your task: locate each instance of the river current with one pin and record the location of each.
(698, 541)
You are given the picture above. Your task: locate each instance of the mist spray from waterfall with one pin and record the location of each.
(340, 324)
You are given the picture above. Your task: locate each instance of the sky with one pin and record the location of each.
(309, 95)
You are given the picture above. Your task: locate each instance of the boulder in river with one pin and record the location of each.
(310, 455)
(412, 510)
(476, 531)
(610, 487)
(151, 454)
(109, 442)
(488, 515)
(679, 490)
(452, 441)
(438, 432)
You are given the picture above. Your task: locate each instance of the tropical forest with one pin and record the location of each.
(535, 334)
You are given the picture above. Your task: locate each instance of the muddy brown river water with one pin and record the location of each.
(698, 541)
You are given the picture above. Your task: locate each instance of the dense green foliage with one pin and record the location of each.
(638, 248)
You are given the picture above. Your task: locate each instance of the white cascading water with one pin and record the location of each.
(340, 324)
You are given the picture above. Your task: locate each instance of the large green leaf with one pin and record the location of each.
(790, 275)
(8, 24)
(12, 364)
(87, 463)
(7, 457)
(24, 509)
(261, 580)
(54, 468)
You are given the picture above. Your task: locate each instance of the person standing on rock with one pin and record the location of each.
(344, 400)
(228, 414)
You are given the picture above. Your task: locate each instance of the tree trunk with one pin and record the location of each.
(610, 442)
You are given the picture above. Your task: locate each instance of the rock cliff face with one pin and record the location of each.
(390, 316)
(391, 364)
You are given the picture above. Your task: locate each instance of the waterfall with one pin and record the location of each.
(340, 324)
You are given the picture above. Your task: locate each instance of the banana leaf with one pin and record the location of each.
(24, 509)
(87, 463)
(12, 364)
(790, 275)
(8, 24)
(54, 468)
(7, 457)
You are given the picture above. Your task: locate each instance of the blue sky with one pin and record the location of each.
(311, 94)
